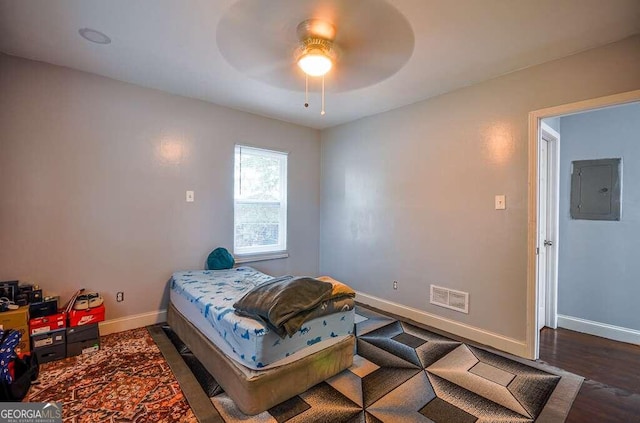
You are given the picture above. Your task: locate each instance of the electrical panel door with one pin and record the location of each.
(595, 189)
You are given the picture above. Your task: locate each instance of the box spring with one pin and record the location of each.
(255, 391)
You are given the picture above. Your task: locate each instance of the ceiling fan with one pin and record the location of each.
(316, 53)
(350, 44)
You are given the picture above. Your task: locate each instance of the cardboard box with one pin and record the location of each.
(24, 346)
(47, 323)
(85, 317)
(48, 339)
(12, 319)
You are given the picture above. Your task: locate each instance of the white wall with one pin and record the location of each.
(598, 268)
(409, 194)
(93, 174)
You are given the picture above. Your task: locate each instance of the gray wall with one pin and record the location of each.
(599, 270)
(93, 174)
(409, 194)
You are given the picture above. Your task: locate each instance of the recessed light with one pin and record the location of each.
(94, 36)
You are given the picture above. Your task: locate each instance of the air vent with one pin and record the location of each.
(450, 298)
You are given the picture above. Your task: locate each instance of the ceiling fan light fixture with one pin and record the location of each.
(315, 56)
(315, 63)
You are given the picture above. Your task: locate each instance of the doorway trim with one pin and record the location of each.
(535, 117)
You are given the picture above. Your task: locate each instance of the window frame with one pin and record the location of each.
(280, 249)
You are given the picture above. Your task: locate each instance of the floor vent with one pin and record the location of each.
(450, 298)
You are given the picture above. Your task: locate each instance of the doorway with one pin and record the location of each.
(544, 153)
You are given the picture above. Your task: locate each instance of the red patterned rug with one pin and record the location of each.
(128, 380)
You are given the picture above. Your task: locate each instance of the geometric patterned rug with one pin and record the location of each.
(127, 380)
(403, 373)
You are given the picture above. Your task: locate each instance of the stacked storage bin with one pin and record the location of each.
(49, 346)
(83, 335)
(47, 331)
(82, 339)
(56, 334)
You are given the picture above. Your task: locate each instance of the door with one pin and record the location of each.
(548, 196)
(543, 241)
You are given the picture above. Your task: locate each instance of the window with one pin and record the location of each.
(260, 201)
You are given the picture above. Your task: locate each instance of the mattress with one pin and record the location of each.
(206, 298)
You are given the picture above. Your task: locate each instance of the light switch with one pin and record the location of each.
(190, 197)
(501, 202)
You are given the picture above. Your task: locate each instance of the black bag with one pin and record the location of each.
(25, 371)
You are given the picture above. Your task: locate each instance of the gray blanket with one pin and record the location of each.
(285, 303)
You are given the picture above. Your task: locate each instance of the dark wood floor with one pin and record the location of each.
(611, 390)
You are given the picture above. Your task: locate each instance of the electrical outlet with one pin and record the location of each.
(395, 284)
(120, 296)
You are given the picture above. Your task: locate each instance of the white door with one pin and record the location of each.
(548, 192)
(543, 195)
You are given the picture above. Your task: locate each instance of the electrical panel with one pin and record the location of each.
(595, 189)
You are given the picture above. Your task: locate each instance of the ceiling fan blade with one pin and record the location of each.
(260, 38)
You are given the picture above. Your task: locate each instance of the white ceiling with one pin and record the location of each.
(172, 45)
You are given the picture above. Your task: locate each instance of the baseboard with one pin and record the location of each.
(603, 330)
(132, 322)
(472, 333)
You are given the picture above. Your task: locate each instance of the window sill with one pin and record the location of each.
(249, 258)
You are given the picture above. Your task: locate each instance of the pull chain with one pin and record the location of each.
(306, 90)
(322, 111)
(306, 93)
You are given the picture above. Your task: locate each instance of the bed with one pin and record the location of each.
(248, 357)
